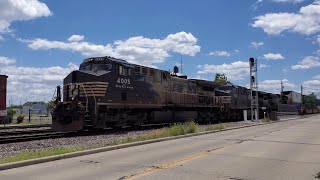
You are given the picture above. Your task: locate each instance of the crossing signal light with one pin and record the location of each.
(251, 60)
(252, 79)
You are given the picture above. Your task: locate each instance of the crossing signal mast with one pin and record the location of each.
(254, 89)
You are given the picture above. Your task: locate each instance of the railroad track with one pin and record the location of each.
(30, 135)
(11, 137)
(25, 126)
(21, 132)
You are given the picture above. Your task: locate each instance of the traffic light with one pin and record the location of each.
(251, 61)
(252, 79)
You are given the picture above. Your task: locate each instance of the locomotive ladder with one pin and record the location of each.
(87, 117)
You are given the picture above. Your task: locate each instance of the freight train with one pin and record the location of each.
(110, 92)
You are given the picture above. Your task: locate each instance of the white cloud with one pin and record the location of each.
(307, 63)
(199, 77)
(288, 1)
(306, 21)
(1, 38)
(318, 40)
(75, 38)
(256, 45)
(6, 60)
(281, 1)
(311, 86)
(317, 77)
(220, 53)
(20, 10)
(273, 56)
(274, 86)
(235, 71)
(139, 50)
(261, 66)
(36, 83)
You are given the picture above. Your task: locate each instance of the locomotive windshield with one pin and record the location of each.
(101, 67)
(95, 67)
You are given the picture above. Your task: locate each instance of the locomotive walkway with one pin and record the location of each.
(284, 150)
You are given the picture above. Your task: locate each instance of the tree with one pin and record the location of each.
(10, 112)
(310, 101)
(221, 79)
(51, 105)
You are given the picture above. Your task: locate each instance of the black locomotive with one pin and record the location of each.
(109, 92)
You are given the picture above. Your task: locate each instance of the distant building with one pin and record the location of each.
(35, 107)
(18, 111)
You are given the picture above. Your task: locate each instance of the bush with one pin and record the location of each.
(11, 112)
(267, 120)
(181, 129)
(20, 119)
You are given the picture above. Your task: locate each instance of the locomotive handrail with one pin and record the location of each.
(85, 92)
(95, 101)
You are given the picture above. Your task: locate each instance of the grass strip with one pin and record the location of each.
(33, 154)
(266, 121)
(174, 130)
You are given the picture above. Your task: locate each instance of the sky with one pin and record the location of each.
(42, 41)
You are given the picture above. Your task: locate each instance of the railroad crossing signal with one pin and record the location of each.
(254, 89)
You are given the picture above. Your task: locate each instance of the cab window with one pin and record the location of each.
(137, 70)
(86, 67)
(125, 71)
(101, 67)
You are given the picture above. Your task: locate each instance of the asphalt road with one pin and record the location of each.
(285, 150)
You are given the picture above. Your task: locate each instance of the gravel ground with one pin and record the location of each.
(85, 141)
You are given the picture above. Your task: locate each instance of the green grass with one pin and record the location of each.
(32, 154)
(214, 127)
(266, 120)
(174, 130)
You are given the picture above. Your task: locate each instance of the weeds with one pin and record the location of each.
(32, 154)
(20, 119)
(174, 130)
(214, 127)
(267, 120)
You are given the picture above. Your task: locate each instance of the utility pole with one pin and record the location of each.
(181, 64)
(301, 100)
(281, 92)
(11, 111)
(254, 89)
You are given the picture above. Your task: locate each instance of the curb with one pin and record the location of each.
(115, 147)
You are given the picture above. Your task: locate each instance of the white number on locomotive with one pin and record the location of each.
(123, 81)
